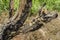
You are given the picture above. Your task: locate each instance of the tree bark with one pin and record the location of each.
(15, 22)
(11, 8)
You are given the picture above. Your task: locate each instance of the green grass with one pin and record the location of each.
(36, 4)
(50, 5)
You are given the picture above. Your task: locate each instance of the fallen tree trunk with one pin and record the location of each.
(35, 26)
(11, 28)
(16, 21)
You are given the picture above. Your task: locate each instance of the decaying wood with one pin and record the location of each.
(15, 22)
(11, 27)
(47, 17)
(11, 8)
(35, 26)
(37, 22)
(44, 4)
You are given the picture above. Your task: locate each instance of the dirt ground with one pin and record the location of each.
(50, 31)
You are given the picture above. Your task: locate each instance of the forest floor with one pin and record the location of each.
(50, 30)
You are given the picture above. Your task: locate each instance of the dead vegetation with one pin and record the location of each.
(17, 28)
